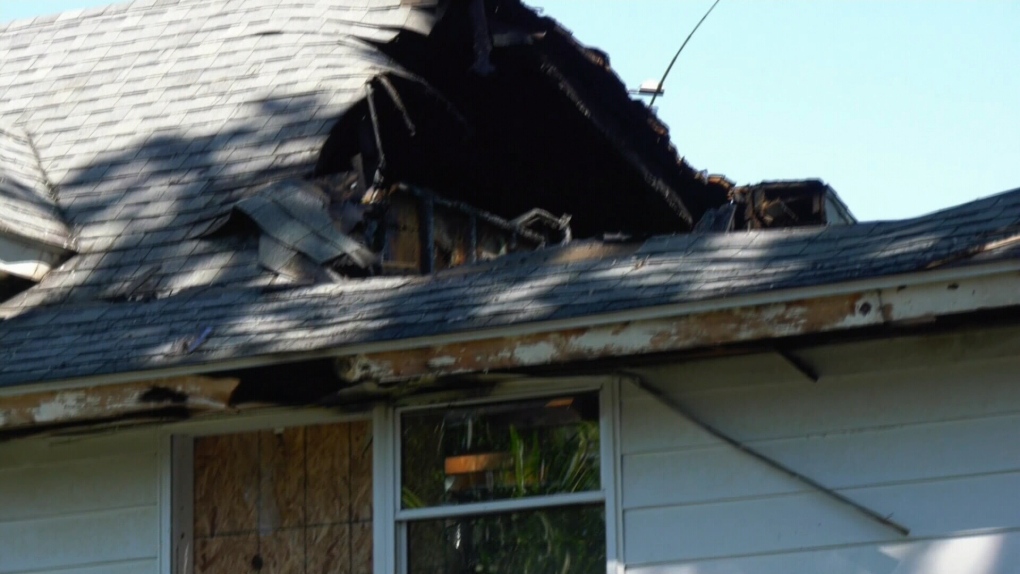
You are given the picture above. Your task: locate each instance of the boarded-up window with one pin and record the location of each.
(291, 501)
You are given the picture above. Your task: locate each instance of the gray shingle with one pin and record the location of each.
(155, 116)
(28, 209)
(248, 322)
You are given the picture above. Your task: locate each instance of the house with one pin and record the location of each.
(380, 285)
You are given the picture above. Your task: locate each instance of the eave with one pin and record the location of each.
(748, 321)
(892, 301)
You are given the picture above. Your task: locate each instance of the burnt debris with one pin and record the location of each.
(524, 118)
(776, 205)
(497, 132)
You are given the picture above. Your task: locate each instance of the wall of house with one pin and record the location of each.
(923, 430)
(87, 505)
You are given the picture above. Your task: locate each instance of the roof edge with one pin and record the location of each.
(890, 300)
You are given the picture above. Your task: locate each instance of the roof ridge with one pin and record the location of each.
(23, 183)
(51, 188)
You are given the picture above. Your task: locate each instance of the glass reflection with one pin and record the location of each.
(564, 540)
(500, 451)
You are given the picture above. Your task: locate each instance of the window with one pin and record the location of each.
(503, 487)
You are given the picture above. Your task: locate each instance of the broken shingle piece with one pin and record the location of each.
(295, 215)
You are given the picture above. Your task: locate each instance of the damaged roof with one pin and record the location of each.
(215, 327)
(177, 148)
(149, 120)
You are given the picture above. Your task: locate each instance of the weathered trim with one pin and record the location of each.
(66, 407)
(505, 350)
(622, 339)
(978, 288)
(896, 306)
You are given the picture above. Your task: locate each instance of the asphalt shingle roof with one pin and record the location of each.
(27, 207)
(231, 323)
(151, 120)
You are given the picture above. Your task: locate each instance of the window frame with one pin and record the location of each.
(607, 495)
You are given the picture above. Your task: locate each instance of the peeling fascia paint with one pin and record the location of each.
(537, 353)
(74, 404)
(64, 406)
(440, 362)
(629, 339)
(84, 404)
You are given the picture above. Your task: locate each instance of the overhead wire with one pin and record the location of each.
(658, 89)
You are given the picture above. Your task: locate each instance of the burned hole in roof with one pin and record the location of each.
(523, 118)
(495, 132)
(336, 226)
(11, 285)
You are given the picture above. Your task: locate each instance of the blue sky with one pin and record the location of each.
(903, 107)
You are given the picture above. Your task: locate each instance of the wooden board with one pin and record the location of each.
(287, 501)
(226, 484)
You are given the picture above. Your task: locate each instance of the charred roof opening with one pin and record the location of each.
(515, 118)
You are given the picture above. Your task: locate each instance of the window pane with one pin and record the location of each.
(500, 451)
(568, 539)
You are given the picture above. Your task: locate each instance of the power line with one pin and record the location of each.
(677, 55)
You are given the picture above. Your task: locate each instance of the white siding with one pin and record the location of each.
(930, 439)
(80, 505)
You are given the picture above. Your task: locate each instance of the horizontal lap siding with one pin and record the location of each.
(80, 506)
(932, 444)
(967, 554)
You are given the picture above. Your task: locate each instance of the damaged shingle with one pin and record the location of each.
(297, 231)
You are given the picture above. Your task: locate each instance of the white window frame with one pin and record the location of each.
(391, 534)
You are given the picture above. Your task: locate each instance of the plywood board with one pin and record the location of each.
(228, 554)
(299, 498)
(226, 484)
(329, 549)
(283, 551)
(329, 484)
(361, 471)
(361, 548)
(281, 479)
